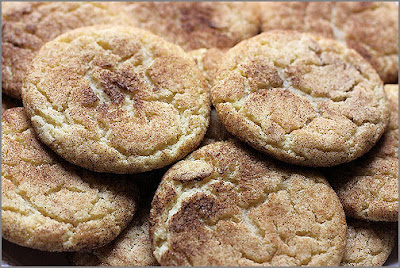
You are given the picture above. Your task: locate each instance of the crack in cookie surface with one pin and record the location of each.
(246, 211)
(51, 205)
(135, 101)
(301, 98)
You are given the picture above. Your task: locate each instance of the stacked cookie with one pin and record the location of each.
(110, 106)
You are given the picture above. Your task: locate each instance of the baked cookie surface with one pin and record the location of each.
(368, 243)
(116, 99)
(225, 205)
(368, 187)
(27, 26)
(301, 98)
(194, 25)
(51, 205)
(369, 28)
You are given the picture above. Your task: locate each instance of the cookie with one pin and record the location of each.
(7, 103)
(226, 205)
(368, 187)
(208, 60)
(301, 98)
(369, 28)
(194, 25)
(368, 243)
(131, 248)
(51, 205)
(27, 26)
(116, 99)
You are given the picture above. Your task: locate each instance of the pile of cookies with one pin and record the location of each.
(201, 133)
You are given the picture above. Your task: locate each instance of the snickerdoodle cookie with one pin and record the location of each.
(227, 205)
(371, 28)
(116, 99)
(27, 26)
(51, 205)
(368, 187)
(368, 243)
(301, 98)
(194, 25)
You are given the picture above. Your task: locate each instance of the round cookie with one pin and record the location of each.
(368, 243)
(226, 205)
(301, 98)
(27, 26)
(369, 28)
(116, 99)
(194, 25)
(368, 187)
(131, 248)
(7, 103)
(51, 205)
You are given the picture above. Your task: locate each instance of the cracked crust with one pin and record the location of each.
(194, 25)
(129, 102)
(235, 207)
(368, 187)
(301, 98)
(27, 26)
(7, 103)
(369, 28)
(368, 243)
(51, 205)
(131, 248)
